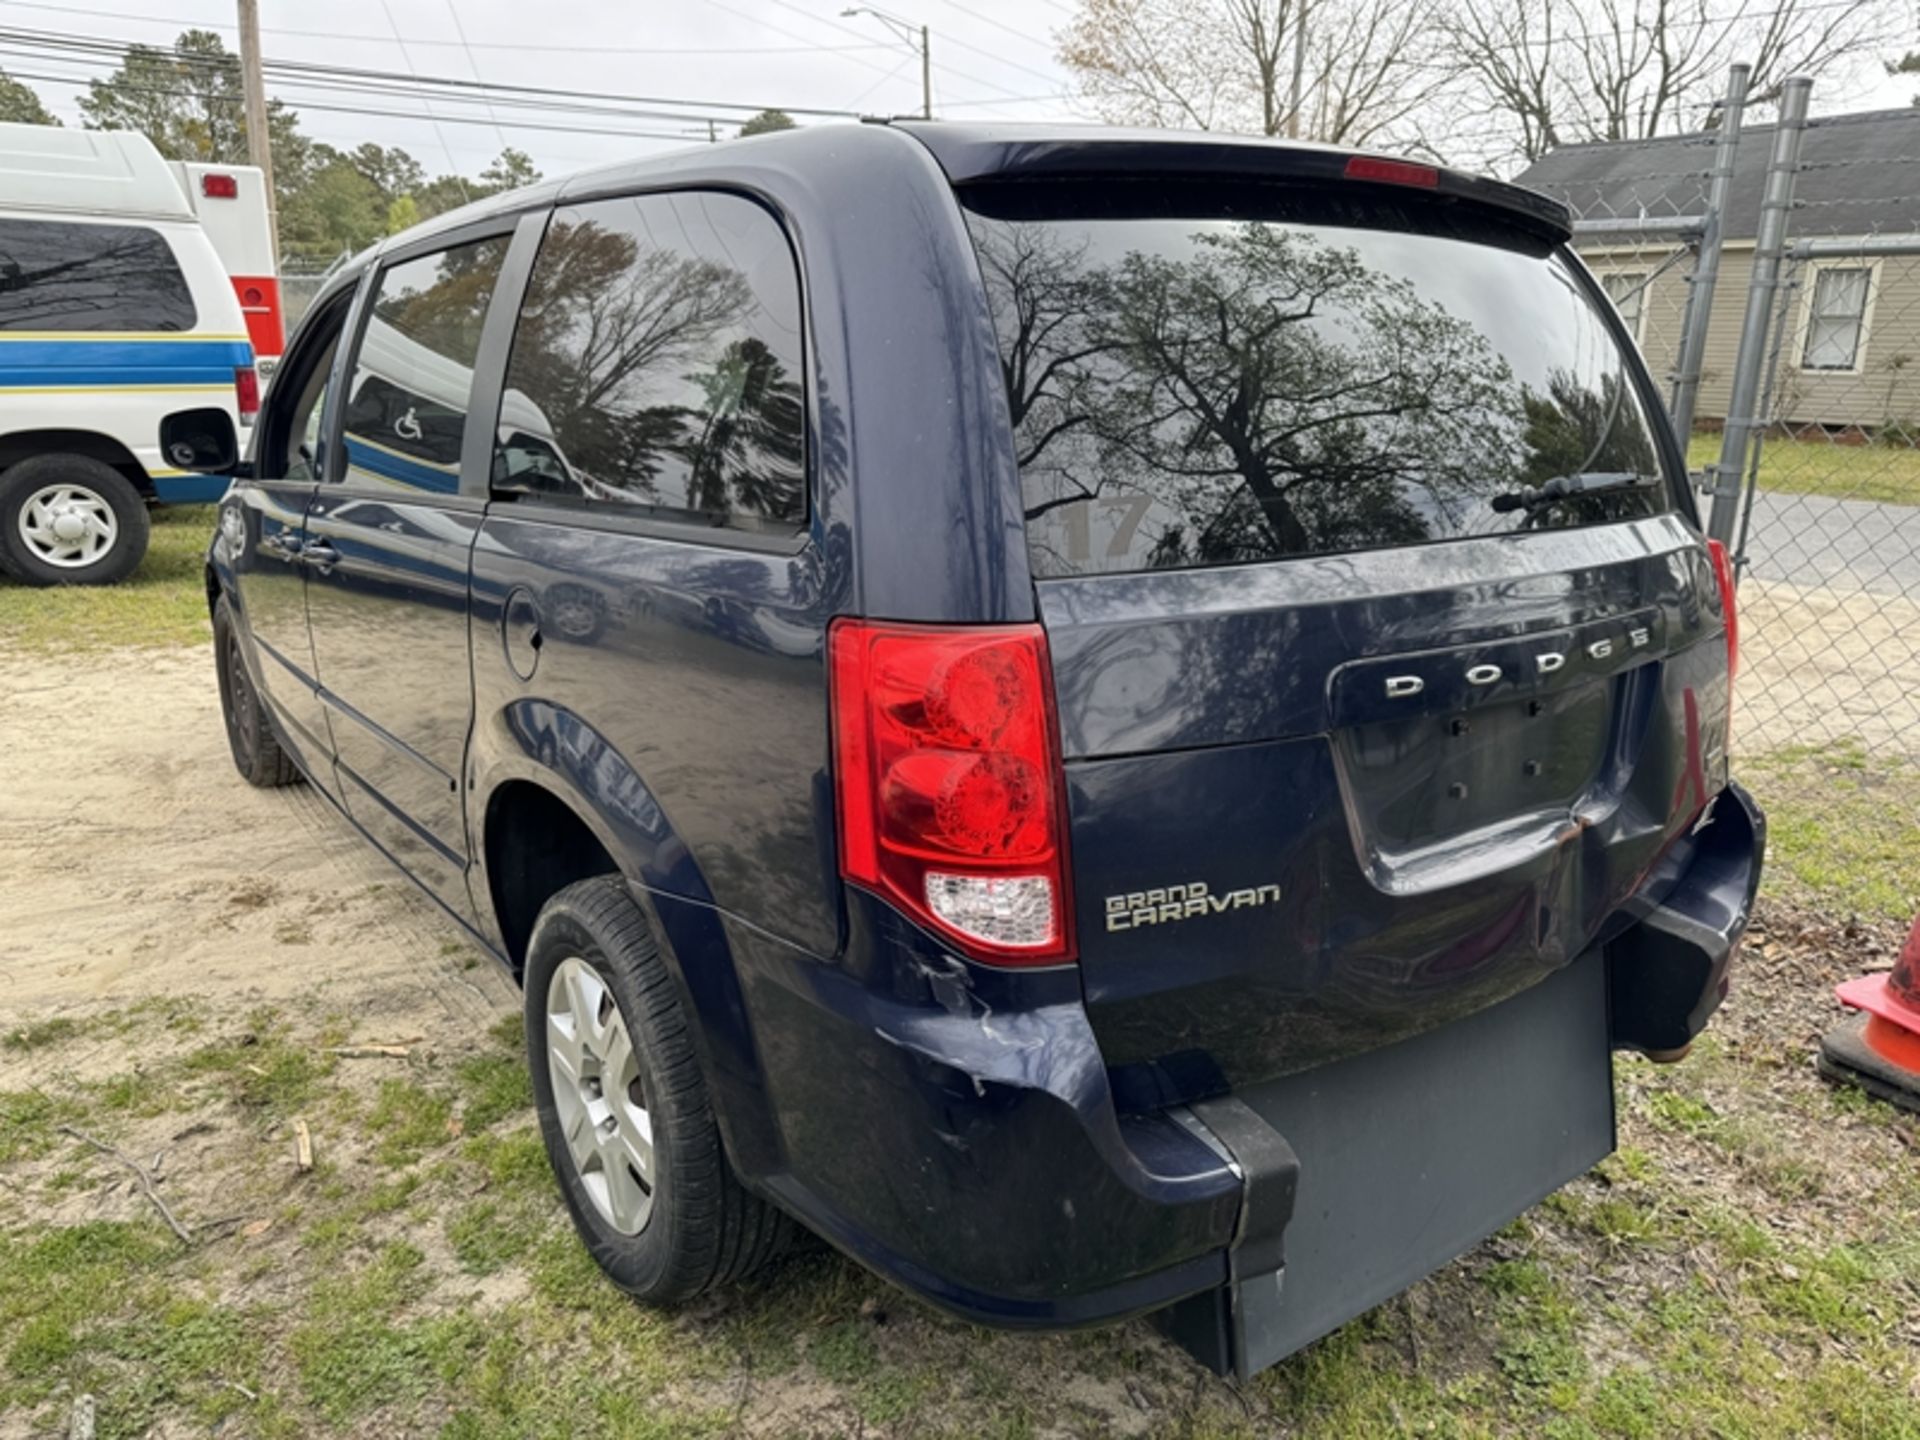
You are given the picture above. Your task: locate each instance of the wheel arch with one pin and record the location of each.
(551, 802)
(18, 445)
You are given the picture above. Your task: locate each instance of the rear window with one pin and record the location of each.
(57, 275)
(1198, 379)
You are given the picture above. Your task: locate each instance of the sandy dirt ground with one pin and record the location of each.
(141, 865)
(1821, 666)
(422, 1276)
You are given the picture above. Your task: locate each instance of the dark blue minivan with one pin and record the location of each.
(1113, 722)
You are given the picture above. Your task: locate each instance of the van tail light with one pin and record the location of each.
(949, 784)
(1723, 573)
(216, 186)
(246, 390)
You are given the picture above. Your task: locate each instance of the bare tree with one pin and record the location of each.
(1227, 64)
(1146, 62)
(1537, 73)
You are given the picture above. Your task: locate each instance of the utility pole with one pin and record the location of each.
(926, 75)
(906, 33)
(1298, 93)
(259, 142)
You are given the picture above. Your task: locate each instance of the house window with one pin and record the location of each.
(1627, 289)
(1837, 318)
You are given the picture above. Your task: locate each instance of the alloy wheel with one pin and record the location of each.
(598, 1095)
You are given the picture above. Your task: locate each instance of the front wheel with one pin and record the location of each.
(623, 1109)
(70, 520)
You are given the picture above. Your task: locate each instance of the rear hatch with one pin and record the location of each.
(1387, 659)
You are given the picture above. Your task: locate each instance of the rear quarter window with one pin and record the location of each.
(658, 367)
(62, 275)
(1204, 379)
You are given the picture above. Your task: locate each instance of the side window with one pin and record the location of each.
(297, 399)
(406, 401)
(657, 365)
(62, 275)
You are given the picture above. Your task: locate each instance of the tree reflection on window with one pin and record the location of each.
(1251, 390)
(652, 371)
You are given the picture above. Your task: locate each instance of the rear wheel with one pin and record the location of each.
(256, 753)
(70, 520)
(623, 1109)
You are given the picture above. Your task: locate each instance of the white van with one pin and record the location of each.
(114, 311)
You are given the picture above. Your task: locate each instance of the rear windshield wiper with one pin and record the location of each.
(1560, 487)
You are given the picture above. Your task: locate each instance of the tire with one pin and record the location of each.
(695, 1227)
(42, 496)
(256, 752)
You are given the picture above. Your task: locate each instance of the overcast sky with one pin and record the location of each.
(991, 58)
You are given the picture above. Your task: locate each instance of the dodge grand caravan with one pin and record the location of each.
(1112, 722)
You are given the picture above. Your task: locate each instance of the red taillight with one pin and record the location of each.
(1723, 573)
(948, 778)
(219, 187)
(1392, 172)
(246, 390)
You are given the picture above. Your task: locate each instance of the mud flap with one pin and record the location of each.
(1397, 1161)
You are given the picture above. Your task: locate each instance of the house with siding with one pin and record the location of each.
(1849, 357)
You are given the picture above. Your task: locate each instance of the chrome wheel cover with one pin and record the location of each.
(598, 1096)
(68, 526)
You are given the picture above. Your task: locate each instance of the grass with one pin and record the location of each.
(163, 603)
(1885, 472)
(1842, 829)
(1741, 1268)
(424, 1281)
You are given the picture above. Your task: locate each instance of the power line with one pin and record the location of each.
(453, 13)
(351, 85)
(678, 138)
(1046, 45)
(514, 46)
(809, 15)
(58, 41)
(945, 38)
(432, 119)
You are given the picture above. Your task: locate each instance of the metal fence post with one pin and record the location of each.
(1750, 360)
(1706, 268)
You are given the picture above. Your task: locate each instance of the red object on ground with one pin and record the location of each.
(1892, 1003)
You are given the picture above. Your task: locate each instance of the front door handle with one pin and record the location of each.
(320, 555)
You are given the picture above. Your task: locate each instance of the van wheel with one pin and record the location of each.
(623, 1109)
(70, 520)
(256, 753)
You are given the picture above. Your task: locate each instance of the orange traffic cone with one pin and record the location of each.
(1880, 1050)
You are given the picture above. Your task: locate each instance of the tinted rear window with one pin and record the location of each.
(56, 275)
(1199, 380)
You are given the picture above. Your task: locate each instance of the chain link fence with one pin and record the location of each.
(1830, 521)
(301, 280)
(1775, 285)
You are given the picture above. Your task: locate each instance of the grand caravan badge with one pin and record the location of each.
(1182, 902)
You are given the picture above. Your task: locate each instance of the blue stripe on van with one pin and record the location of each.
(189, 489)
(117, 361)
(390, 465)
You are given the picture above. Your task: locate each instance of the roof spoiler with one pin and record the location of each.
(979, 153)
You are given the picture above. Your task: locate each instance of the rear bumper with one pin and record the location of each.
(966, 1146)
(1668, 973)
(974, 1155)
